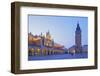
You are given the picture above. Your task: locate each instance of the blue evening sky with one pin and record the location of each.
(61, 28)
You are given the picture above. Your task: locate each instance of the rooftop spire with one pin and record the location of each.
(78, 27)
(41, 34)
(48, 33)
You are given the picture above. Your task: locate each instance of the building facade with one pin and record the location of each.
(43, 45)
(85, 48)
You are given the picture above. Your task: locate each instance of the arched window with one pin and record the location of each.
(32, 50)
(38, 51)
(44, 51)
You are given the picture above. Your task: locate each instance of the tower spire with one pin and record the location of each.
(48, 32)
(41, 34)
(78, 27)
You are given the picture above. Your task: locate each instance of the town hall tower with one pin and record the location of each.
(78, 45)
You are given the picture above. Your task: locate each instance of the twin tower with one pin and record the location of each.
(78, 44)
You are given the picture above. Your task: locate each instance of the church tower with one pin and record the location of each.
(78, 44)
(48, 36)
(48, 40)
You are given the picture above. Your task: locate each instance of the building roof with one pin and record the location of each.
(56, 45)
(35, 39)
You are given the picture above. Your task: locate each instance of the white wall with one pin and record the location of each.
(5, 42)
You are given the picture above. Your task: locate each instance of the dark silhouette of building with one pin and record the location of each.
(78, 45)
(85, 48)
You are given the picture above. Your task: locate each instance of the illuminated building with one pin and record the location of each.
(43, 45)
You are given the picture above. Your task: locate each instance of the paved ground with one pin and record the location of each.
(61, 56)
